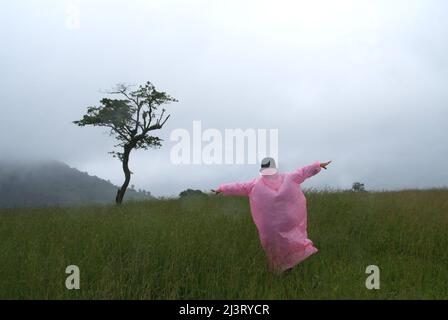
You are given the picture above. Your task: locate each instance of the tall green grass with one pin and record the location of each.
(207, 248)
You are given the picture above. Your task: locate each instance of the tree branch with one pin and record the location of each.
(158, 125)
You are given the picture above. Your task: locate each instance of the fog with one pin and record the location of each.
(361, 82)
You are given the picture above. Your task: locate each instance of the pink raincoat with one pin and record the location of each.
(279, 211)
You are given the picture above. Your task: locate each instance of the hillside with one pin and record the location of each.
(54, 183)
(208, 248)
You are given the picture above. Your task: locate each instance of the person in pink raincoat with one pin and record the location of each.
(279, 212)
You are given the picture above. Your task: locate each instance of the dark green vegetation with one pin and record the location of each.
(54, 183)
(207, 248)
(191, 193)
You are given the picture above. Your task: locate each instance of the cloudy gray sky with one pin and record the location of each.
(360, 82)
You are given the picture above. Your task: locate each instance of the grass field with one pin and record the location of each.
(207, 248)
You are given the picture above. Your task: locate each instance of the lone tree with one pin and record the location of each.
(191, 193)
(131, 121)
(358, 187)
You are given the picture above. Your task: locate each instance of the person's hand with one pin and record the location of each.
(325, 164)
(216, 191)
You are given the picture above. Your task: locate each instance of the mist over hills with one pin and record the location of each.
(54, 183)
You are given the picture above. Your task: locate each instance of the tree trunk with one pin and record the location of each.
(127, 174)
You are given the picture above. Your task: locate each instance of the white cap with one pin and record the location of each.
(268, 167)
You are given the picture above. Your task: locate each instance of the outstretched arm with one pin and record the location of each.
(235, 189)
(306, 172)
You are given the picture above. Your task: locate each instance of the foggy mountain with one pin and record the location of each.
(53, 183)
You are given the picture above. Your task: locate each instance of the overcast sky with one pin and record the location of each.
(361, 82)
